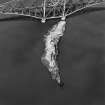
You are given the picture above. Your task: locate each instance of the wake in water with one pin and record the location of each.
(50, 53)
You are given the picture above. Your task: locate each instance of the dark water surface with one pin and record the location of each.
(25, 81)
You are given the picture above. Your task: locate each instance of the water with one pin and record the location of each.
(23, 78)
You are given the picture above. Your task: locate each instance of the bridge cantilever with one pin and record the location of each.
(44, 11)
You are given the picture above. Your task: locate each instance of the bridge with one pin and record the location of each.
(46, 9)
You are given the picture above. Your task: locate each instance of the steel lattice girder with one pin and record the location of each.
(46, 9)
